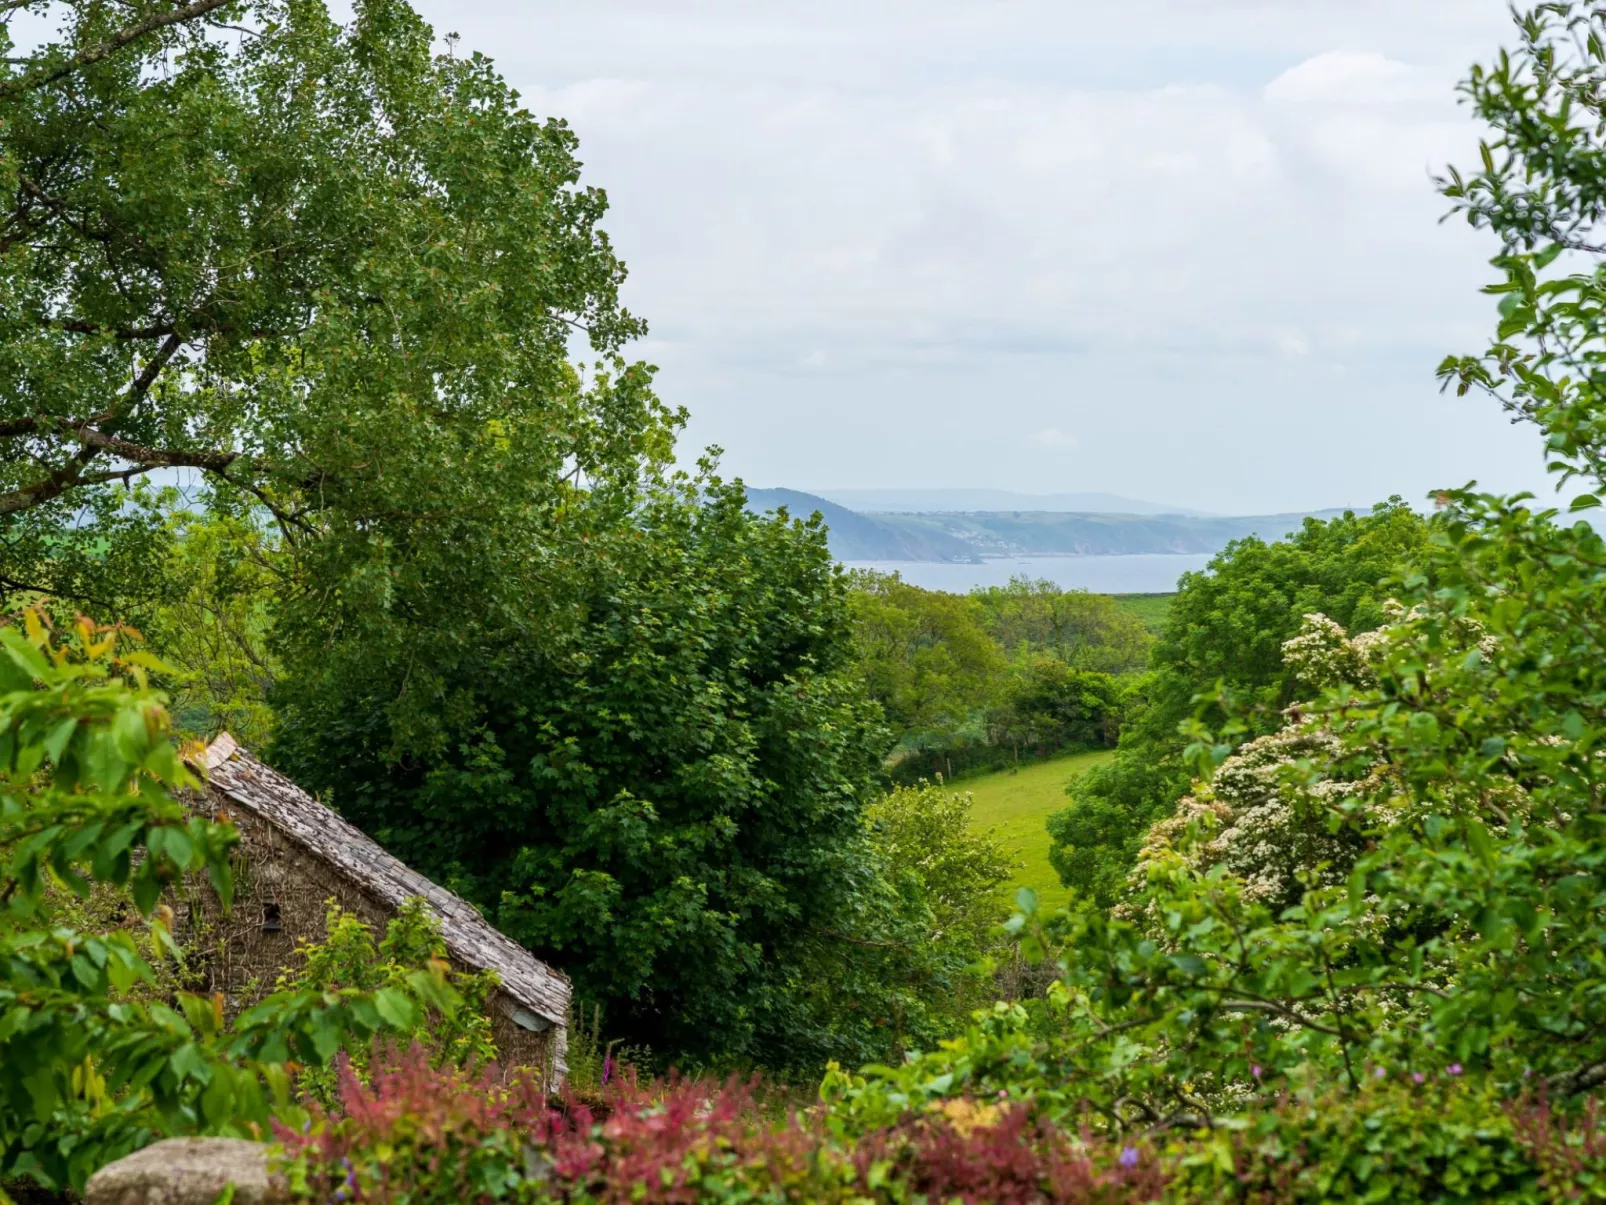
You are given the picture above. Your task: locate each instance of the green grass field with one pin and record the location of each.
(1150, 608)
(1016, 805)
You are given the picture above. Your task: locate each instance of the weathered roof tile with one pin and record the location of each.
(246, 783)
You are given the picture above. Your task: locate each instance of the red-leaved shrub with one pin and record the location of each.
(1007, 1159)
(417, 1134)
(1568, 1148)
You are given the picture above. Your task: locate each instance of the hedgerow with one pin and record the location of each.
(416, 1133)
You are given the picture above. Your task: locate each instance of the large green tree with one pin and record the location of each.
(924, 654)
(633, 735)
(309, 266)
(1225, 630)
(1086, 631)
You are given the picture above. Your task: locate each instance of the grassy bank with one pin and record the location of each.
(1016, 805)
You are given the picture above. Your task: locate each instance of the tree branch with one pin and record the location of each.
(12, 427)
(195, 324)
(94, 54)
(149, 457)
(1590, 1075)
(1267, 1006)
(53, 486)
(70, 474)
(79, 327)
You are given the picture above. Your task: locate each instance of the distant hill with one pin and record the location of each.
(974, 535)
(943, 500)
(1050, 533)
(856, 537)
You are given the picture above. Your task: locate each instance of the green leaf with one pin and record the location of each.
(1548, 256)
(146, 889)
(1190, 965)
(1357, 889)
(55, 744)
(395, 1007)
(188, 1063)
(25, 657)
(176, 846)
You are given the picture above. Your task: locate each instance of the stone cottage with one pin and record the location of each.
(295, 855)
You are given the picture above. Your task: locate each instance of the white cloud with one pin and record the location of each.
(1349, 77)
(1053, 437)
(1212, 230)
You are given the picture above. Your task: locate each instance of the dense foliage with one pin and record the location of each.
(1224, 632)
(418, 1136)
(981, 681)
(1086, 631)
(316, 267)
(912, 960)
(224, 573)
(647, 760)
(349, 957)
(926, 656)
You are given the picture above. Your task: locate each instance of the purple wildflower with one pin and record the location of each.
(1129, 1156)
(1417, 1077)
(1454, 1068)
(607, 1068)
(1254, 1070)
(1379, 1072)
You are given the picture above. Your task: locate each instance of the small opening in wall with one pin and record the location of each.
(272, 922)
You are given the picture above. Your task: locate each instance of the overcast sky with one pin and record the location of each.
(1185, 250)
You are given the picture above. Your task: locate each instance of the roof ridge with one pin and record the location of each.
(219, 751)
(263, 791)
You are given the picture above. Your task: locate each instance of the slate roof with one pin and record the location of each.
(249, 785)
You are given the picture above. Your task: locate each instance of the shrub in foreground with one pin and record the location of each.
(418, 1134)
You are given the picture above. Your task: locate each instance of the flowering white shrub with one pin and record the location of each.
(1263, 817)
(1323, 655)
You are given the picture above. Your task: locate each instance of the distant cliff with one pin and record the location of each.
(856, 537)
(955, 501)
(972, 535)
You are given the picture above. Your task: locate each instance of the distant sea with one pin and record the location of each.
(1139, 573)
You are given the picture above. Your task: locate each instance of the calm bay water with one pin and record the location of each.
(1141, 573)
